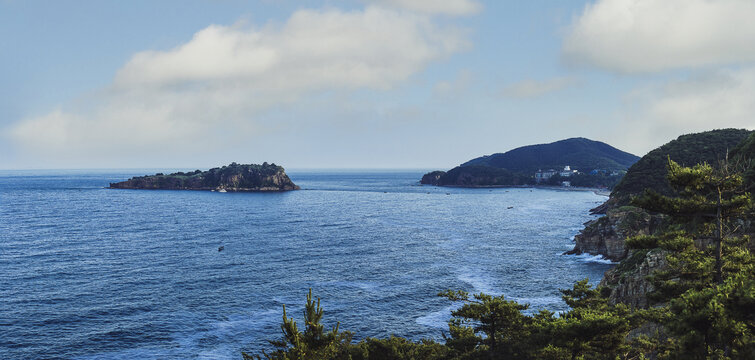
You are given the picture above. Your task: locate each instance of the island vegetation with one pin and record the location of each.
(233, 177)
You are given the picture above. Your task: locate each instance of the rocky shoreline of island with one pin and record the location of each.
(230, 178)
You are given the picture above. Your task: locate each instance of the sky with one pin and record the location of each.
(361, 83)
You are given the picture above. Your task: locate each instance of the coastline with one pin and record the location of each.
(597, 191)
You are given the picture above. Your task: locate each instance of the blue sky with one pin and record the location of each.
(361, 83)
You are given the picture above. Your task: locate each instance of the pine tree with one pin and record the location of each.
(487, 326)
(314, 343)
(709, 275)
(708, 202)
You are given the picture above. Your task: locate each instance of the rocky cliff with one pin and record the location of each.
(628, 281)
(605, 236)
(234, 177)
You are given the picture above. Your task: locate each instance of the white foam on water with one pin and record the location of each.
(362, 285)
(480, 281)
(438, 319)
(589, 258)
(227, 336)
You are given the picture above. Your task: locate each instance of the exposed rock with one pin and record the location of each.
(234, 177)
(628, 281)
(605, 236)
(603, 208)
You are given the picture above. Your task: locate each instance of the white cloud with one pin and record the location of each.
(649, 35)
(446, 7)
(721, 98)
(531, 88)
(658, 113)
(374, 48)
(226, 76)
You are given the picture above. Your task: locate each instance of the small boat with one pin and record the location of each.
(222, 190)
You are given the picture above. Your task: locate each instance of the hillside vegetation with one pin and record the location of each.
(743, 155)
(518, 166)
(650, 171)
(579, 153)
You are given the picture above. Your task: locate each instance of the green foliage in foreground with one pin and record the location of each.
(705, 298)
(484, 327)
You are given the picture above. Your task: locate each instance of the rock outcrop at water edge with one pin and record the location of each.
(605, 236)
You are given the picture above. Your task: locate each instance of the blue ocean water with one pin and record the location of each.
(96, 273)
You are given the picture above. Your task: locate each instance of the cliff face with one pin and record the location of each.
(605, 236)
(628, 281)
(234, 177)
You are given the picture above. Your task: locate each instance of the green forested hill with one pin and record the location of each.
(744, 155)
(518, 166)
(687, 150)
(474, 176)
(579, 153)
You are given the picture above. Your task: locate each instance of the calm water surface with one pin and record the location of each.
(94, 273)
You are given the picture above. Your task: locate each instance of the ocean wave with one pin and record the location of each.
(589, 258)
(362, 285)
(438, 319)
(480, 281)
(218, 340)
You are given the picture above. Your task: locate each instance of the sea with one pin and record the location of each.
(88, 272)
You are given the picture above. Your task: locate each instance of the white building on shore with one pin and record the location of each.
(541, 175)
(568, 171)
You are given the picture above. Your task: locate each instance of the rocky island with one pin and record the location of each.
(233, 177)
